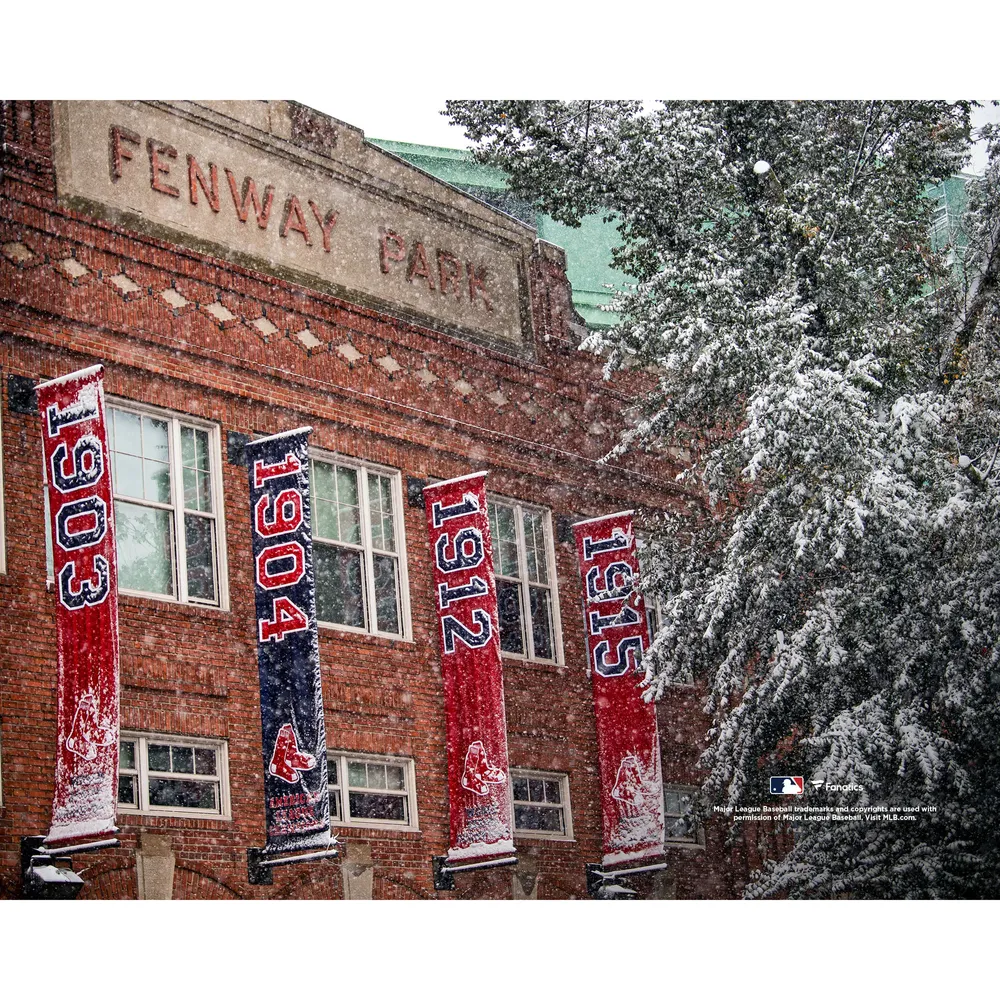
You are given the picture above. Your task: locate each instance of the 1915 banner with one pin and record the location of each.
(296, 799)
(627, 738)
(81, 509)
(471, 668)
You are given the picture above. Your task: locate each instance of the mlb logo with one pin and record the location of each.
(787, 786)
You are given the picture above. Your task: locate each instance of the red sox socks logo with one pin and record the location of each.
(287, 759)
(628, 791)
(479, 773)
(88, 732)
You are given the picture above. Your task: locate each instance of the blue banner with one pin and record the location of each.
(296, 799)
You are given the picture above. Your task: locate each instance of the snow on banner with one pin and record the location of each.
(78, 472)
(293, 734)
(471, 668)
(627, 739)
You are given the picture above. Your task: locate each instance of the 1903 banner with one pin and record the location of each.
(293, 733)
(81, 510)
(627, 738)
(471, 668)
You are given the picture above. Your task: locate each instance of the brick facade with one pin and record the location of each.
(76, 290)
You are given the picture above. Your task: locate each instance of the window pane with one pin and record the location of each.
(386, 603)
(536, 790)
(368, 805)
(335, 813)
(376, 775)
(127, 433)
(541, 622)
(326, 520)
(182, 760)
(331, 771)
(128, 476)
(204, 760)
(126, 755)
(158, 756)
(395, 778)
(380, 508)
(534, 541)
(339, 591)
(349, 514)
(156, 455)
(182, 794)
(199, 537)
(520, 789)
(357, 775)
(538, 818)
(126, 789)
(552, 793)
(502, 526)
(509, 610)
(145, 548)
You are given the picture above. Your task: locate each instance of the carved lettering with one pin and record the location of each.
(196, 177)
(453, 275)
(250, 197)
(418, 266)
(386, 253)
(477, 282)
(158, 167)
(294, 219)
(325, 224)
(116, 151)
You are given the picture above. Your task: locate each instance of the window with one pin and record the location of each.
(678, 812)
(372, 791)
(166, 475)
(357, 541)
(541, 804)
(523, 563)
(173, 776)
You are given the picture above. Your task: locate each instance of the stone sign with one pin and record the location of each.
(317, 206)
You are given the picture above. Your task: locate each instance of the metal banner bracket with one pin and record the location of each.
(260, 863)
(603, 884)
(444, 873)
(41, 879)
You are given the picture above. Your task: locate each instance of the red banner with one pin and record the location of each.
(628, 743)
(471, 668)
(78, 472)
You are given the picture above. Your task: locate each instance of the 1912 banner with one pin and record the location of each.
(471, 668)
(296, 799)
(627, 738)
(78, 473)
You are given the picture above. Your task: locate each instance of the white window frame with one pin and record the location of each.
(142, 739)
(697, 840)
(525, 584)
(395, 477)
(567, 808)
(179, 561)
(342, 758)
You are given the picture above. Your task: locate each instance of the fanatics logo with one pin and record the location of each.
(787, 786)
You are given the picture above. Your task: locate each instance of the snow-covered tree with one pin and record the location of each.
(843, 601)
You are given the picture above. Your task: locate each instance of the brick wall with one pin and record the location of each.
(255, 354)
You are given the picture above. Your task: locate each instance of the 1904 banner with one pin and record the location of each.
(296, 798)
(627, 738)
(470, 664)
(81, 510)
